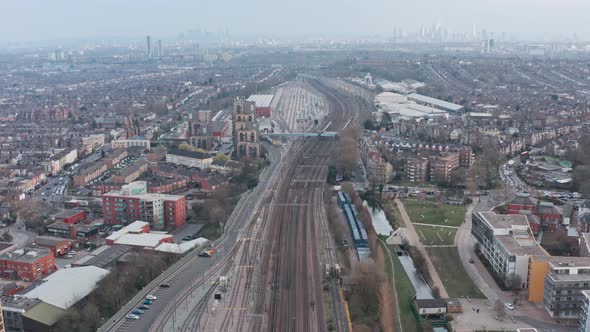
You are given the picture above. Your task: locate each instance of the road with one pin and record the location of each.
(193, 269)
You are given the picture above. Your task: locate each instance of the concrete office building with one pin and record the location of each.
(506, 243)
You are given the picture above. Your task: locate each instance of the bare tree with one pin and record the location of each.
(500, 309)
(516, 285)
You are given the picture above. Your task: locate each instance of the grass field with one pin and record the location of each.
(451, 272)
(405, 293)
(428, 212)
(433, 235)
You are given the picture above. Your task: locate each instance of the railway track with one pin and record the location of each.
(283, 290)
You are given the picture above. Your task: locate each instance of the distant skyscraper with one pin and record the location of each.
(474, 32)
(148, 46)
(160, 49)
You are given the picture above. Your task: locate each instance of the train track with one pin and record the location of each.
(283, 289)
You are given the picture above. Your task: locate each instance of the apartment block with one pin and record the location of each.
(585, 312)
(133, 202)
(245, 130)
(201, 129)
(506, 243)
(132, 142)
(564, 283)
(416, 169)
(442, 166)
(189, 158)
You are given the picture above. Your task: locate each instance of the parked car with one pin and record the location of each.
(165, 285)
(144, 307)
(132, 316)
(151, 297)
(148, 302)
(509, 306)
(137, 312)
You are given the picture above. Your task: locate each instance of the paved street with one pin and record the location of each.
(193, 268)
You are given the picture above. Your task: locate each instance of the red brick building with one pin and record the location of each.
(551, 216)
(58, 246)
(522, 202)
(133, 203)
(70, 216)
(29, 264)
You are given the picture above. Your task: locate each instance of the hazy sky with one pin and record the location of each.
(56, 19)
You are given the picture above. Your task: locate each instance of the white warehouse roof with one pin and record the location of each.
(261, 100)
(66, 287)
(435, 102)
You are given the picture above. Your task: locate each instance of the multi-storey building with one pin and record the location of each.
(93, 141)
(27, 264)
(245, 130)
(416, 169)
(132, 142)
(58, 161)
(585, 312)
(466, 157)
(564, 283)
(90, 173)
(189, 158)
(506, 243)
(201, 129)
(442, 166)
(133, 202)
(114, 157)
(131, 172)
(521, 202)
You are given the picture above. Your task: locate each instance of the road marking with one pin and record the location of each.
(248, 266)
(236, 308)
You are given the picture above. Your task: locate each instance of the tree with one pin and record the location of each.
(499, 309)
(516, 286)
(458, 177)
(347, 154)
(221, 157)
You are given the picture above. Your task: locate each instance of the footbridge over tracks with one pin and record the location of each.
(311, 134)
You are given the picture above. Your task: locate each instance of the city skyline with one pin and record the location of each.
(67, 19)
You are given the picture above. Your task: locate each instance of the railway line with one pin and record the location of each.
(275, 264)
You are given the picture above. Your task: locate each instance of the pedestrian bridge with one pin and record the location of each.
(317, 134)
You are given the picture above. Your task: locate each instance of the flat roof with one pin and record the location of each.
(182, 247)
(143, 239)
(189, 154)
(504, 221)
(45, 313)
(436, 102)
(67, 213)
(261, 100)
(65, 287)
(105, 257)
(26, 255)
(521, 246)
(134, 227)
(50, 240)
